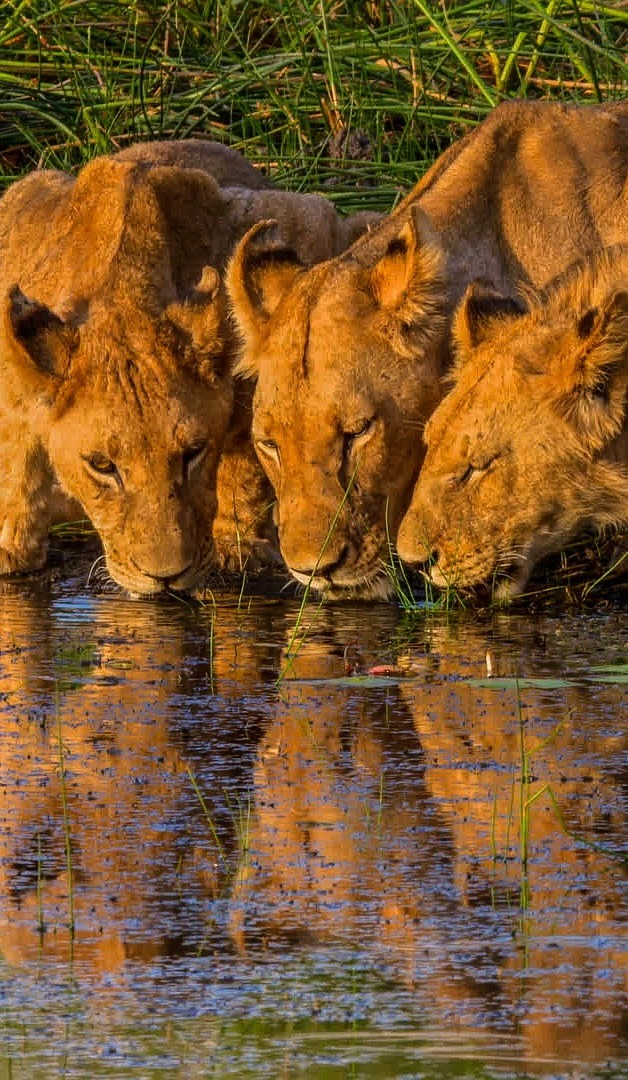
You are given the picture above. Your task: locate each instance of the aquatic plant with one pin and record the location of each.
(356, 98)
(66, 819)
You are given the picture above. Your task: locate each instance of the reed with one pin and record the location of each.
(41, 924)
(353, 98)
(66, 824)
(299, 634)
(212, 828)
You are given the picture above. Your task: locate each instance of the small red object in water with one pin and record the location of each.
(385, 669)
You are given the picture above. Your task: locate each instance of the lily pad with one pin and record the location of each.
(522, 684)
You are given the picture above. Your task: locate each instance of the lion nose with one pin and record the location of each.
(412, 546)
(424, 562)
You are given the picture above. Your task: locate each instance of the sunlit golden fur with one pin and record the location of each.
(321, 426)
(530, 447)
(116, 362)
(349, 356)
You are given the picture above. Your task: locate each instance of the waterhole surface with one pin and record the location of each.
(401, 853)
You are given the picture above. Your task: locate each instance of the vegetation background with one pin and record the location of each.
(353, 99)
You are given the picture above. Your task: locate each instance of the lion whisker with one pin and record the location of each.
(94, 568)
(507, 557)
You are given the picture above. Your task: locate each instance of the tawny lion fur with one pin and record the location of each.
(349, 355)
(116, 360)
(226, 165)
(530, 447)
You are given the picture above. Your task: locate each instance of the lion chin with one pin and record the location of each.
(504, 585)
(139, 584)
(377, 587)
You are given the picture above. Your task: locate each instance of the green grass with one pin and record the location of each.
(281, 81)
(591, 570)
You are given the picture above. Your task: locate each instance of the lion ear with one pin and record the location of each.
(203, 296)
(38, 343)
(409, 269)
(199, 321)
(592, 380)
(260, 272)
(479, 310)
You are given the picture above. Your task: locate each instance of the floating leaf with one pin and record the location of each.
(522, 684)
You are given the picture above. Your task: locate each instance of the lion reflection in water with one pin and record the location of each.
(384, 818)
(143, 860)
(391, 819)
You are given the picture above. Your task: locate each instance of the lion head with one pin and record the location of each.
(228, 167)
(131, 413)
(347, 357)
(529, 447)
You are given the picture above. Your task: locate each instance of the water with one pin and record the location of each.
(373, 861)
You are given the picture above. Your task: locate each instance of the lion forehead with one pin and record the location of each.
(160, 421)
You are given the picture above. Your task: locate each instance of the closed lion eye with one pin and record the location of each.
(473, 471)
(193, 455)
(467, 474)
(355, 434)
(267, 448)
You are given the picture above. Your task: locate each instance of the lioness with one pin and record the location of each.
(530, 447)
(115, 357)
(349, 355)
(226, 165)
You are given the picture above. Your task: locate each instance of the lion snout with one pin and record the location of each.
(166, 575)
(415, 539)
(312, 545)
(160, 559)
(322, 566)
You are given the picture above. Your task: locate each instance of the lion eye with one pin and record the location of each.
(192, 455)
(472, 470)
(101, 464)
(355, 434)
(467, 474)
(361, 427)
(268, 448)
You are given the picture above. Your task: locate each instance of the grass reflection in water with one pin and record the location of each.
(416, 875)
